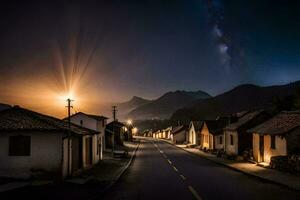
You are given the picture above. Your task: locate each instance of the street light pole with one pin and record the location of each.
(113, 131)
(69, 106)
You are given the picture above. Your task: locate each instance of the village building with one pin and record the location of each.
(206, 138)
(167, 133)
(117, 129)
(33, 144)
(96, 123)
(194, 133)
(216, 136)
(179, 134)
(237, 140)
(279, 136)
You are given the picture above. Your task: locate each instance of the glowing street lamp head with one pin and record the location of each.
(129, 122)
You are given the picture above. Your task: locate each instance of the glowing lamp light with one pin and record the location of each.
(129, 121)
(134, 130)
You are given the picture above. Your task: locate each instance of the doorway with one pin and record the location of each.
(261, 148)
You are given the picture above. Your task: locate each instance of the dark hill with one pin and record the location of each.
(244, 97)
(165, 105)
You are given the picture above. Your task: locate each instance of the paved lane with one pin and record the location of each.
(162, 171)
(150, 177)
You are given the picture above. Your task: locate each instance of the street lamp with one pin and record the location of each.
(134, 130)
(129, 122)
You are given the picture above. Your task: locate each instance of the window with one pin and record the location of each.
(273, 144)
(220, 140)
(19, 145)
(231, 139)
(81, 123)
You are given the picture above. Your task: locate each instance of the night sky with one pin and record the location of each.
(103, 51)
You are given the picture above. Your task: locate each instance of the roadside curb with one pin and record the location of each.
(235, 169)
(118, 176)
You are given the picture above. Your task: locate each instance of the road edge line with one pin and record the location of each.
(235, 169)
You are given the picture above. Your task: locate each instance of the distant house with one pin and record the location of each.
(206, 138)
(154, 134)
(279, 135)
(157, 134)
(32, 144)
(167, 133)
(117, 129)
(194, 133)
(178, 134)
(216, 136)
(96, 123)
(237, 139)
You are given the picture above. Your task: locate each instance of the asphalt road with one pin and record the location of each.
(163, 171)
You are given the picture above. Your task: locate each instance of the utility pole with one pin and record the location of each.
(114, 112)
(69, 106)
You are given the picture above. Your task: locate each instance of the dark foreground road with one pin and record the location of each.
(162, 171)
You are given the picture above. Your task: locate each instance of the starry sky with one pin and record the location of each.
(108, 51)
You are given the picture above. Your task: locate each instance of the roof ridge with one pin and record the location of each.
(43, 116)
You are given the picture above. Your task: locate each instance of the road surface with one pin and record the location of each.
(163, 171)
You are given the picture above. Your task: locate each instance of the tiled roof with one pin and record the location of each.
(282, 123)
(17, 118)
(96, 117)
(115, 123)
(243, 120)
(215, 127)
(177, 129)
(197, 125)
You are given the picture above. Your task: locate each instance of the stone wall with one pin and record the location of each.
(286, 163)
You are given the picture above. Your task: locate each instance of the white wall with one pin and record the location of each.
(46, 154)
(206, 138)
(179, 137)
(231, 149)
(95, 125)
(280, 147)
(217, 138)
(192, 135)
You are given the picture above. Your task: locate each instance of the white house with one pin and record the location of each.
(32, 144)
(206, 137)
(167, 132)
(194, 132)
(96, 123)
(236, 138)
(215, 129)
(279, 136)
(178, 134)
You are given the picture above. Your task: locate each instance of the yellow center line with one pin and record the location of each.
(195, 193)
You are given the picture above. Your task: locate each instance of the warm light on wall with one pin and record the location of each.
(134, 130)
